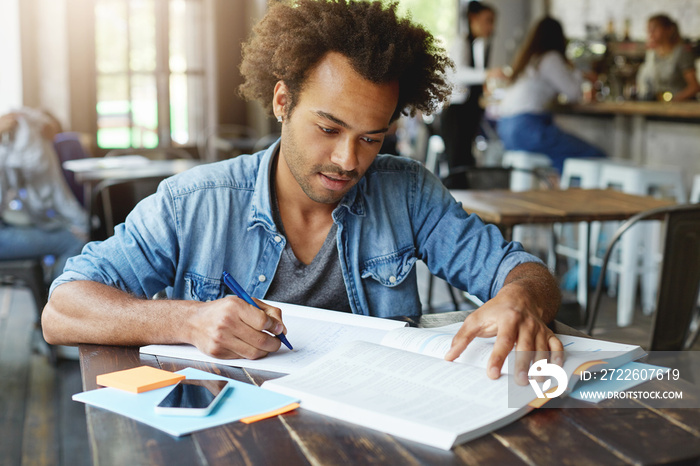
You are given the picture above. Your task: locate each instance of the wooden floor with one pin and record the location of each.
(39, 424)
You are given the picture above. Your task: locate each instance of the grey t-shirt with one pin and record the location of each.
(318, 284)
(664, 73)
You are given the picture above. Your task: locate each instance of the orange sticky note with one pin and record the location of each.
(139, 379)
(277, 412)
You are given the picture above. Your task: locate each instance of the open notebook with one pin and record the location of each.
(313, 333)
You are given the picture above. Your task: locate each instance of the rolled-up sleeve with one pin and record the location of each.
(139, 257)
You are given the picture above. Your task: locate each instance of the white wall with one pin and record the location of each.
(11, 70)
(575, 14)
(512, 24)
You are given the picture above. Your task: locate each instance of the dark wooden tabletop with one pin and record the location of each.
(508, 208)
(612, 432)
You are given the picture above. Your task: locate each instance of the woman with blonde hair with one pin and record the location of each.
(668, 72)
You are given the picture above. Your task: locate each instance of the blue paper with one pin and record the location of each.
(240, 401)
(615, 385)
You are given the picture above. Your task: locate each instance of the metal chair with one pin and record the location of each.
(222, 142)
(675, 321)
(119, 196)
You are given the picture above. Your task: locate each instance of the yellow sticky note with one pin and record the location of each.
(139, 379)
(269, 414)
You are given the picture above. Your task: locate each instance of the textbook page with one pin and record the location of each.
(312, 332)
(405, 394)
(436, 342)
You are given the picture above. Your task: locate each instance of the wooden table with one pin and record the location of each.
(507, 209)
(607, 433)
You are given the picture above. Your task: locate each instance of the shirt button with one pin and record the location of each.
(278, 239)
(392, 279)
(262, 278)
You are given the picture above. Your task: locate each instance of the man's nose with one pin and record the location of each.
(345, 154)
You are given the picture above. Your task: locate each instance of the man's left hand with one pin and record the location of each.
(516, 317)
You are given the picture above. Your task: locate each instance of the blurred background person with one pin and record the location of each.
(668, 65)
(460, 120)
(540, 74)
(39, 215)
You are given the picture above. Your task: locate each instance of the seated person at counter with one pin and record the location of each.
(540, 74)
(317, 219)
(668, 71)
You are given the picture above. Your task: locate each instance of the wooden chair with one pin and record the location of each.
(675, 321)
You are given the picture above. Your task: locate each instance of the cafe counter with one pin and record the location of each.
(663, 110)
(648, 133)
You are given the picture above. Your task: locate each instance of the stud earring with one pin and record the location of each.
(279, 118)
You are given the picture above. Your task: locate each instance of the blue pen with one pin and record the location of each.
(240, 292)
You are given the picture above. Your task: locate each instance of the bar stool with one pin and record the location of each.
(585, 174)
(634, 179)
(524, 164)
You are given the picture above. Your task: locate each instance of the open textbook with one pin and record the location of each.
(403, 387)
(383, 375)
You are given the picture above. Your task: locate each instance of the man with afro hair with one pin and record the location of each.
(319, 218)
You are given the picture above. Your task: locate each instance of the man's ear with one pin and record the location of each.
(280, 98)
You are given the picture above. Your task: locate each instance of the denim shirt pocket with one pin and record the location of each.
(390, 269)
(199, 288)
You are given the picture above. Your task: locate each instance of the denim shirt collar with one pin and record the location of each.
(261, 208)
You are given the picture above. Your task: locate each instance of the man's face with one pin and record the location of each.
(334, 131)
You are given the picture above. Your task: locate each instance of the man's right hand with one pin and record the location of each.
(230, 328)
(94, 313)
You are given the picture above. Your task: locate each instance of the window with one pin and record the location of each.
(150, 72)
(437, 16)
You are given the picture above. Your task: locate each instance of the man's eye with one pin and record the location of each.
(327, 130)
(370, 140)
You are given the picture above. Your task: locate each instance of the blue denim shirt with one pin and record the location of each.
(218, 217)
